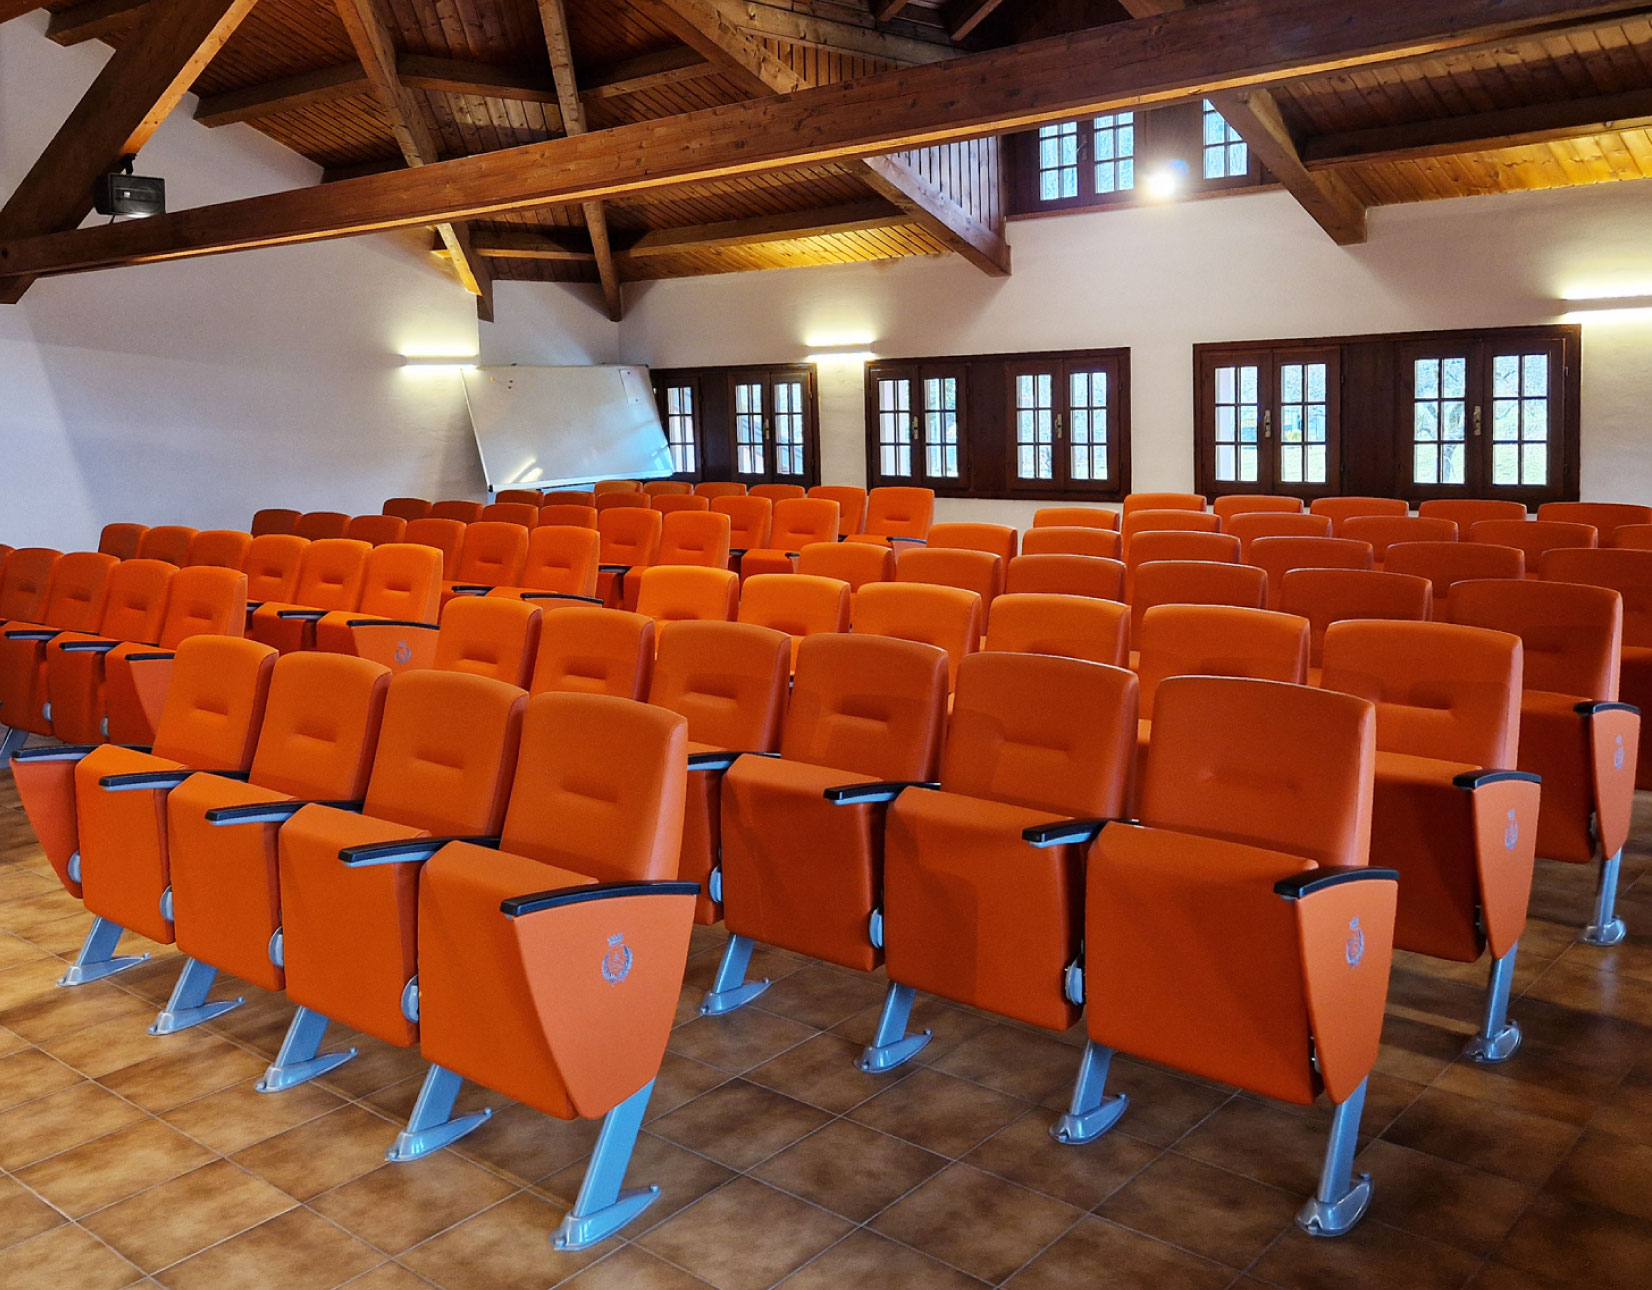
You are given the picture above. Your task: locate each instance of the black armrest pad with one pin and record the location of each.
(721, 760)
(884, 791)
(32, 633)
(1309, 881)
(1588, 709)
(561, 595)
(53, 752)
(1472, 779)
(252, 605)
(405, 849)
(302, 615)
(269, 812)
(517, 906)
(151, 656)
(88, 647)
(470, 589)
(1059, 833)
(621, 569)
(144, 779)
(391, 622)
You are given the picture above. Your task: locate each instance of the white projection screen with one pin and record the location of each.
(543, 427)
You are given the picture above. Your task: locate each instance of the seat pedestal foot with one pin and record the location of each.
(188, 1005)
(433, 1125)
(1092, 1111)
(1498, 1037)
(602, 1209)
(10, 742)
(891, 1045)
(1606, 928)
(730, 989)
(1343, 1197)
(97, 958)
(299, 1060)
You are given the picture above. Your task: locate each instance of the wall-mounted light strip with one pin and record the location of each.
(1607, 309)
(855, 352)
(440, 362)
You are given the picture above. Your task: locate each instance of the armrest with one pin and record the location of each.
(302, 615)
(404, 850)
(269, 812)
(721, 760)
(470, 589)
(53, 752)
(32, 633)
(1583, 709)
(151, 656)
(518, 906)
(621, 569)
(885, 791)
(1060, 833)
(143, 780)
(391, 622)
(88, 647)
(561, 595)
(1472, 779)
(1309, 881)
(914, 541)
(252, 605)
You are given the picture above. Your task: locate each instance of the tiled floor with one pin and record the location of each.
(131, 1160)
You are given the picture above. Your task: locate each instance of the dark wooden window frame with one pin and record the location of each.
(714, 418)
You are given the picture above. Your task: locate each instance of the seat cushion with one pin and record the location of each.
(1423, 826)
(124, 866)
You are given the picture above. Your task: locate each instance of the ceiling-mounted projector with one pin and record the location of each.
(123, 193)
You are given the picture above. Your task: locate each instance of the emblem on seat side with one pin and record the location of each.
(1354, 950)
(1511, 835)
(404, 652)
(616, 963)
(1617, 754)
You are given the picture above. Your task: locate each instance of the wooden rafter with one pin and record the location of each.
(796, 27)
(370, 35)
(289, 94)
(554, 19)
(1255, 115)
(486, 80)
(91, 19)
(136, 90)
(884, 10)
(852, 217)
(526, 244)
(966, 15)
(645, 72)
(10, 9)
(1239, 44)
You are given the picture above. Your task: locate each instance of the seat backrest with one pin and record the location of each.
(402, 580)
(1534, 537)
(1085, 627)
(1075, 517)
(1175, 544)
(1167, 521)
(1326, 596)
(1277, 556)
(622, 502)
(668, 488)
(630, 535)
(899, 512)
(1065, 575)
(407, 508)
(1465, 512)
(169, 542)
(272, 565)
(1604, 517)
(24, 583)
(675, 592)
(1196, 582)
(524, 496)
(856, 563)
(719, 488)
(134, 601)
(1218, 640)
(599, 788)
(226, 548)
(321, 726)
(1254, 504)
(801, 521)
(668, 503)
(273, 519)
(603, 487)
(974, 571)
(868, 705)
(1054, 540)
(461, 509)
(1283, 767)
(568, 497)
(946, 617)
(694, 538)
(488, 636)
(562, 558)
(1248, 526)
(1382, 531)
(317, 525)
(376, 530)
(569, 515)
(332, 573)
(728, 679)
(995, 539)
(797, 604)
(851, 504)
(215, 702)
(750, 518)
(1444, 563)
(204, 600)
(1162, 502)
(1633, 537)
(74, 598)
(587, 650)
(446, 753)
(1052, 734)
(1625, 570)
(121, 540)
(1441, 690)
(778, 492)
(1339, 509)
(493, 554)
(446, 536)
(1573, 634)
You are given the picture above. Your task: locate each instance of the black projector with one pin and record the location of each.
(135, 195)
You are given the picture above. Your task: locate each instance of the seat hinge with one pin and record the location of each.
(278, 949)
(410, 1000)
(714, 884)
(874, 929)
(1072, 982)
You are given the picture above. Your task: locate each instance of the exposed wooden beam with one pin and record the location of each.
(884, 10)
(525, 244)
(1236, 44)
(852, 217)
(286, 95)
(1531, 123)
(369, 34)
(136, 90)
(645, 72)
(485, 80)
(10, 9)
(966, 15)
(554, 19)
(92, 19)
(708, 30)
(806, 29)
(333, 174)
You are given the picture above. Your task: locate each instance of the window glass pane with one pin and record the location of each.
(1034, 426)
(1114, 145)
(1520, 419)
(1225, 153)
(1303, 417)
(680, 434)
(788, 428)
(1087, 433)
(749, 455)
(940, 422)
(1439, 415)
(894, 426)
(1058, 161)
(1238, 413)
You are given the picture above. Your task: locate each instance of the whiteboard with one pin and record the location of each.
(542, 427)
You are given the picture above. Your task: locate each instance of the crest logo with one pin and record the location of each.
(1354, 949)
(616, 963)
(404, 652)
(1617, 754)
(1511, 835)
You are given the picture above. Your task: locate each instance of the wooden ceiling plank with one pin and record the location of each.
(461, 76)
(286, 95)
(136, 90)
(1239, 44)
(754, 231)
(965, 16)
(524, 244)
(796, 27)
(10, 9)
(884, 10)
(645, 72)
(92, 19)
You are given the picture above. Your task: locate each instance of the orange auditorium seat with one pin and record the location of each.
(690, 538)
(121, 540)
(1606, 518)
(134, 605)
(402, 582)
(797, 523)
(25, 578)
(225, 548)
(465, 511)
(319, 525)
(851, 504)
(677, 592)
(567, 497)
(73, 602)
(1382, 531)
(719, 488)
(1326, 596)
(1166, 521)
(1277, 556)
(630, 539)
(1196, 582)
(588, 650)
(857, 563)
(975, 571)
(561, 561)
(169, 542)
(492, 556)
(1534, 537)
(446, 536)
(779, 492)
(1447, 563)
(1162, 502)
(525, 496)
(407, 508)
(1340, 509)
(331, 577)
(272, 566)
(798, 604)
(1073, 540)
(524, 513)
(668, 488)
(273, 519)
(1077, 517)
(603, 487)
(1634, 537)
(666, 503)
(751, 520)
(946, 617)
(898, 513)
(1249, 526)
(1233, 504)
(1466, 512)
(377, 530)
(1174, 544)
(569, 515)
(1067, 575)
(1084, 627)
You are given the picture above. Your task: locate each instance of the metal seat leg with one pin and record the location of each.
(1092, 1112)
(188, 1005)
(433, 1125)
(602, 1209)
(97, 958)
(1498, 1037)
(1343, 1197)
(730, 989)
(1606, 928)
(300, 1059)
(891, 1045)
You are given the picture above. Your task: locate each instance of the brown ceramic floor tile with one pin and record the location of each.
(739, 1123)
(850, 1170)
(65, 1258)
(681, 1175)
(296, 1251)
(1260, 1141)
(1439, 1199)
(1574, 982)
(240, 1115)
(1209, 1211)
(396, 1100)
(525, 1145)
(822, 1072)
(376, 1065)
(506, 1247)
(322, 1153)
(1482, 1134)
(1626, 1112)
(1025, 1153)
(398, 1205)
(185, 1215)
(1415, 1050)
(387, 1276)
(1034, 1067)
(1608, 1172)
(739, 1041)
(948, 1025)
(59, 1121)
(170, 1079)
(767, 963)
(633, 1268)
(120, 1042)
(681, 1079)
(29, 1074)
(863, 1258)
(15, 950)
(744, 1236)
(1494, 1276)
(978, 1223)
(939, 1113)
(63, 1011)
(1372, 1256)
(108, 1169)
(819, 995)
(1163, 1106)
(1535, 1082)
(23, 1214)
(1131, 1259)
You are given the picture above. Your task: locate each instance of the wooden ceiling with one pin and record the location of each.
(366, 87)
